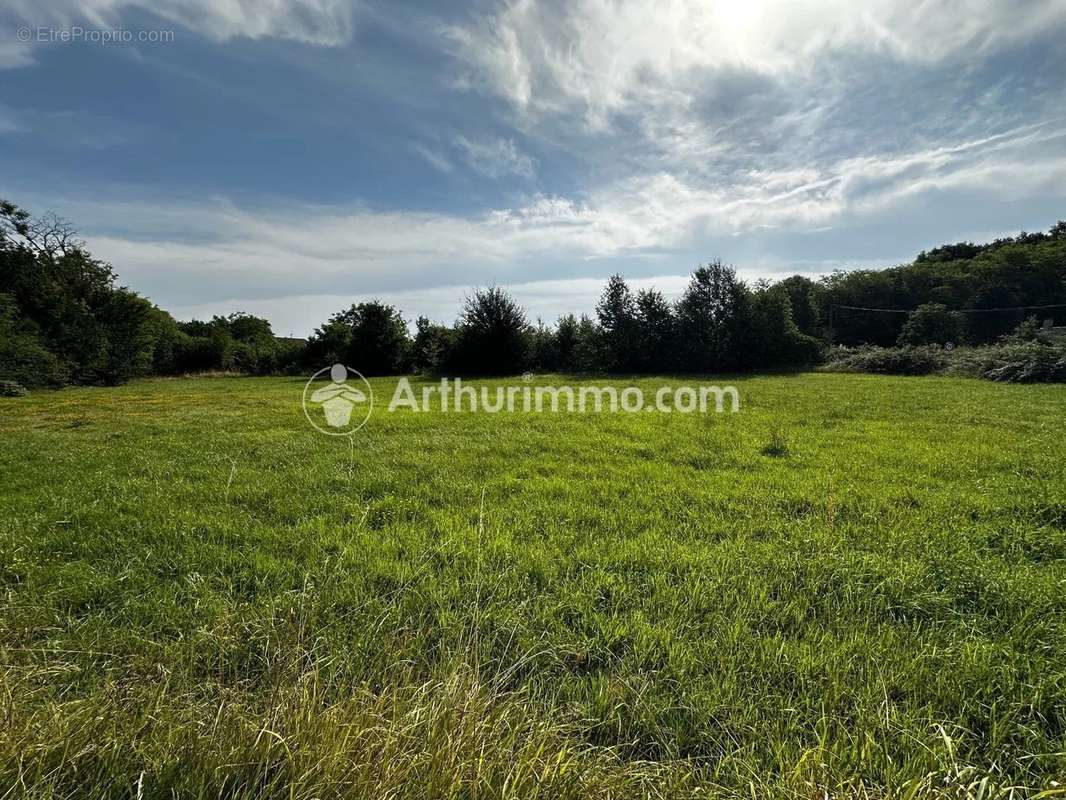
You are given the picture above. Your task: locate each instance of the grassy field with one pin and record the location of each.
(856, 586)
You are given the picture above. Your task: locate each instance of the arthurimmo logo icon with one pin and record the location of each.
(340, 402)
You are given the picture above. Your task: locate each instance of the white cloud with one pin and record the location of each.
(13, 53)
(67, 129)
(185, 255)
(496, 158)
(676, 176)
(10, 121)
(696, 123)
(545, 300)
(602, 56)
(433, 158)
(317, 22)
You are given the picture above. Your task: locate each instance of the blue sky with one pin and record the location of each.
(290, 157)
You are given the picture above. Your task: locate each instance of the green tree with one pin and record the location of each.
(67, 300)
(801, 293)
(369, 337)
(567, 342)
(713, 315)
(587, 346)
(432, 346)
(379, 343)
(616, 312)
(127, 322)
(932, 323)
(656, 329)
(542, 347)
(23, 359)
(254, 349)
(493, 335)
(329, 343)
(1010, 273)
(775, 340)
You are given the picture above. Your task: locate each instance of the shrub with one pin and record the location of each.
(1029, 331)
(1030, 362)
(196, 354)
(25, 361)
(11, 389)
(889, 360)
(1011, 362)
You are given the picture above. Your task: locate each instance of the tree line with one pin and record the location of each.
(976, 293)
(718, 325)
(65, 320)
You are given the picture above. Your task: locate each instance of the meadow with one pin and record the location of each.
(854, 587)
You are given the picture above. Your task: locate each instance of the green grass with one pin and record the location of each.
(854, 586)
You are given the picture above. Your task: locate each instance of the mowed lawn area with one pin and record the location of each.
(856, 586)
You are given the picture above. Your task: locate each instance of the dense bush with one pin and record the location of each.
(11, 389)
(1030, 362)
(889, 360)
(64, 320)
(1025, 356)
(23, 358)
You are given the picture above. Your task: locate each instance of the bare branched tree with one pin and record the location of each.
(49, 236)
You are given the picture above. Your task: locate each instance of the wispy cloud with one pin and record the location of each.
(552, 56)
(220, 250)
(641, 135)
(496, 158)
(317, 22)
(9, 121)
(67, 129)
(12, 52)
(432, 157)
